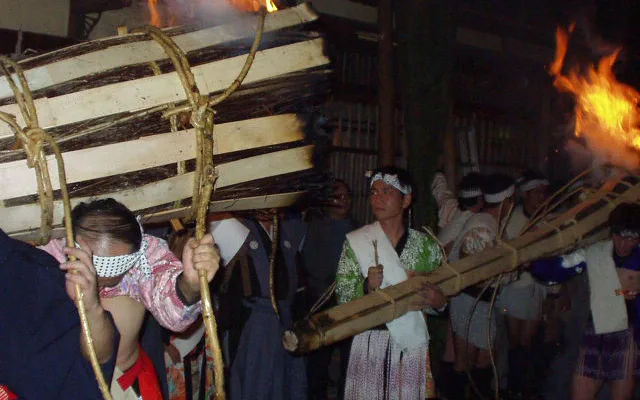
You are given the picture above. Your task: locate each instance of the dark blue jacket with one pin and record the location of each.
(40, 355)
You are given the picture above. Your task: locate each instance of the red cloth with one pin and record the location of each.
(145, 373)
(6, 394)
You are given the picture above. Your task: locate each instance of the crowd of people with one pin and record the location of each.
(270, 268)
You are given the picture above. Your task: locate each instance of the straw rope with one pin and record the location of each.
(202, 115)
(445, 259)
(33, 139)
(387, 297)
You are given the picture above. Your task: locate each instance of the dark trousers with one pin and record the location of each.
(318, 372)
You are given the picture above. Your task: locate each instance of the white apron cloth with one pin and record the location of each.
(409, 330)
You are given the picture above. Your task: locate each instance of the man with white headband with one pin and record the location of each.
(135, 273)
(609, 346)
(473, 339)
(375, 256)
(453, 213)
(521, 301)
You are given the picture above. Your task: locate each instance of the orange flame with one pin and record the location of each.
(254, 5)
(156, 20)
(606, 110)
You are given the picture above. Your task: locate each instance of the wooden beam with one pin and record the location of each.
(166, 88)
(150, 151)
(27, 217)
(116, 56)
(386, 86)
(245, 203)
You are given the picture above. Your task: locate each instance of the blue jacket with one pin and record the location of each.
(40, 355)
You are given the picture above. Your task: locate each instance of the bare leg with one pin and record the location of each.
(528, 331)
(584, 388)
(449, 352)
(513, 328)
(465, 355)
(623, 389)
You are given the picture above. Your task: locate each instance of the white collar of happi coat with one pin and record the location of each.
(608, 309)
(450, 231)
(477, 220)
(409, 330)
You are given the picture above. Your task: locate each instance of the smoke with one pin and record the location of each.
(201, 12)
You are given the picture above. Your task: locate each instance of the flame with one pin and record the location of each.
(155, 14)
(254, 5)
(606, 110)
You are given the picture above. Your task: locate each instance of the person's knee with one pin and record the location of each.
(461, 364)
(584, 388)
(622, 390)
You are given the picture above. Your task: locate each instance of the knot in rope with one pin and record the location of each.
(33, 143)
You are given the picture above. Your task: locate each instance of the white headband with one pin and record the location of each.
(389, 179)
(629, 233)
(109, 267)
(532, 184)
(500, 196)
(469, 193)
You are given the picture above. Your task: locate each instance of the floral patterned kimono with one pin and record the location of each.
(387, 362)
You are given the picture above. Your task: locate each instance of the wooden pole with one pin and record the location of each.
(386, 85)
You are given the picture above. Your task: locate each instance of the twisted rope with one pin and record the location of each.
(33, 139)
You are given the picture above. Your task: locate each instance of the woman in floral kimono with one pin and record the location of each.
(389, 361)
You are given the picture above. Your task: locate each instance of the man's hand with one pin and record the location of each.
(429, 295)
(197, 256)
(374, 277)
(82, 272)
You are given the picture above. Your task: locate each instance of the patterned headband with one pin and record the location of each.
(389, 179)
(109, 267)
(629, 233)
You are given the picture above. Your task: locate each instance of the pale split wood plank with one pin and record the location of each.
(220, 206)
(279, 200)
(145, 51)
(150, 151)
(265, 165)
(27, 217)
(166, 88)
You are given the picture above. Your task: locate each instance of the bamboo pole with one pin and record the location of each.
(582, 225)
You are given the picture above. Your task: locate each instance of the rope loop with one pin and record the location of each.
(33, 146)
(459, 277)
(387, 297)
(514, 252)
